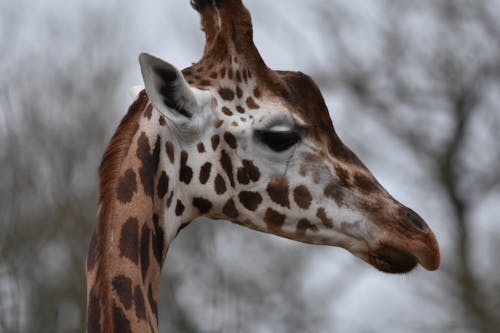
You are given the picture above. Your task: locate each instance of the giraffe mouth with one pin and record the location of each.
(391, 260)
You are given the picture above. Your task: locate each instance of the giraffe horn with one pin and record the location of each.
(236, 23)
(229, 32)
(209, 21)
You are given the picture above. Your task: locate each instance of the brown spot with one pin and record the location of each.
(129, 240)
(256, 92)
(201, 147)
(152, 303)
(230, 73)
(215, 142)
(158, 240)
(251, 103)
(302, 197)
(240, 109)
(205, 82)
(94, 312)
(321, 214)
(343, 175)
(226, 111)
(303, 171)
(316, 177)
(230, 209)
(213, 75)
(250, 200)
(365, 183)
(248, 172)
(227, 165)
(230, 140)
(120, 322)
(218, 123)
(149, 161)
(169, 148)
(145, 245)
(122, 285)
(205, 172)
(127, 186)
(185, 173)
(148, 112)
(162, 121)
(220, 185)
(243, 119)
(274, 220)
(222, 73)
(234, 124)
(312, 158)
(335, 192)
(92, 253)
(179, 208)
(245, 76)
(278, 190)
(202, 204)
(162, 187)
(226, 94)
(238, 76)
(305, 225)
(140, 306)
(239, 92)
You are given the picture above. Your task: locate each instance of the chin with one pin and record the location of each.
(391, 260)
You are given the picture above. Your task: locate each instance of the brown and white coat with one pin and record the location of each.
(229, 138)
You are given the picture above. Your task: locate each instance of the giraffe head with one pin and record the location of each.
(259, 149)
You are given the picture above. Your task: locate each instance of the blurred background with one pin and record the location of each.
(413, 88)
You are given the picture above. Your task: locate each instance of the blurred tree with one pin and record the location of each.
(56, 93)
(432, 79)
(424, 73)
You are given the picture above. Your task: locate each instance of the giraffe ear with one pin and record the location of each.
(167, 89)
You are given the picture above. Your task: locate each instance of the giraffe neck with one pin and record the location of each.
(137, 199)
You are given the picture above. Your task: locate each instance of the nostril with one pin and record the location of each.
(415, 219)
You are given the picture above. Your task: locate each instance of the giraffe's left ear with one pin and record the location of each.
(167, 89)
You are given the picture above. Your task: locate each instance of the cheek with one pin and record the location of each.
(254, 157)
(314, 173)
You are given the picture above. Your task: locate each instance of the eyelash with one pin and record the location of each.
(279, 141)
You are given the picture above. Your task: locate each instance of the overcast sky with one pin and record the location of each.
(170, 30)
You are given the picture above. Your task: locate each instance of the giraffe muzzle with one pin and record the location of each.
(391, 260)
(422, 241)
(426, 250)
(404, 251)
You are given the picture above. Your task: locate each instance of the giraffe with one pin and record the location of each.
(229, 138)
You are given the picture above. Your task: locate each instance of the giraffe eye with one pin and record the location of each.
(279, 141)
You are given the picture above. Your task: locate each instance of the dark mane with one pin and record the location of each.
(117, 149)
(109, 170)
(109, 175)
